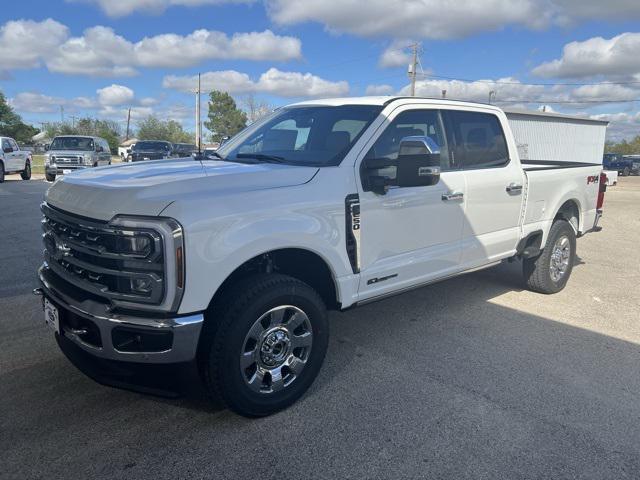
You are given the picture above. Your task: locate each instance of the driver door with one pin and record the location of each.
(410, 235)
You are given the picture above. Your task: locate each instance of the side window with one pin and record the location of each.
(477, 140)
(5, 143)
(105, 146)
(14, 145)
(407, 124)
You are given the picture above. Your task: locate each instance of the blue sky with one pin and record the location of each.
(99, 57)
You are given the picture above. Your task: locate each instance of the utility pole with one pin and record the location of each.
(61, 114)
(412, 68)
(73, 121)
(128, 123)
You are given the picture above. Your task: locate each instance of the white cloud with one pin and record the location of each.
(100, 52)
(119, 8)
(444, 19)
(395, 55)
(33, 102)
(596, 56)
(273, 81)
(117, 113)
(379, 90)
(115, 95)
(440, 19)
(623, 125)
(24, 43)
(171, 50)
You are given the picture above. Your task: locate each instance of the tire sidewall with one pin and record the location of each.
(233, 387)
(26, 175)
(2, 172)
(559, 229)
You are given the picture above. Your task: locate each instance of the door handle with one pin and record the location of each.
(514, 188)
(452, 196)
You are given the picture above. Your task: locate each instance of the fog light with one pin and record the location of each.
(141, 285)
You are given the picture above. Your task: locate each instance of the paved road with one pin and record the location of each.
(470, 378)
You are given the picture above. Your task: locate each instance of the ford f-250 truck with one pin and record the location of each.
(231, 264)
(13, 159)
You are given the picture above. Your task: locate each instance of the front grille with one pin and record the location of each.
(68, 160)
(97, 257)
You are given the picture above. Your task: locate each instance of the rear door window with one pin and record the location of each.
(477, 140)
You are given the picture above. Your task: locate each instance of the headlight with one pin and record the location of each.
(160, 241)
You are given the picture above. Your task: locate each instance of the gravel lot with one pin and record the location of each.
(470, 378)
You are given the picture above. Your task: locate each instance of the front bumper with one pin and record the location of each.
(60, 169)
(99, 332)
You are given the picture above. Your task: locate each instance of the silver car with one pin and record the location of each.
(68, 153)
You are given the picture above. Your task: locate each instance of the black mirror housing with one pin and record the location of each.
(7, 150)
(417, 165)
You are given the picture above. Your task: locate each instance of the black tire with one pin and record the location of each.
(538, 272)
(26, 173)
(50, 177)
(225, 335)
(1, 172)
(625, 172)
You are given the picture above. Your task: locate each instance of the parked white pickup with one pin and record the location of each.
(14, 160)
(234, 260)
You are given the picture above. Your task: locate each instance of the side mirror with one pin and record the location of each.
(46, 147)
(99, 149)
(417, 165)
(7, 149)
(418, 162)
(224, 140)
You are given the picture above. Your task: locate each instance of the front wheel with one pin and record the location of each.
(26, 173)
(50, 177)
(267, 345)
(550, 271)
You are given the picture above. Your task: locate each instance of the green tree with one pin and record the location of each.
(12, 125)
(631, 147)
(152, 128)
(225, 118)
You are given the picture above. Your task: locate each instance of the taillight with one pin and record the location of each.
(602, 189)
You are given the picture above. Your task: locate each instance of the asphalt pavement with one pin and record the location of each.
(470, 378)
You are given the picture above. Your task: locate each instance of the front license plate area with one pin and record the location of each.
(51, 316)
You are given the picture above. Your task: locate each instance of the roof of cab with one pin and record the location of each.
(386, 100)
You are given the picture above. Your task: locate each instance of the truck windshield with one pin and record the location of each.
(305, 135)
(153, 146)
(72, 143)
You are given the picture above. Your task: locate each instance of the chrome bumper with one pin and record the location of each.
(596, 227)
(57, 169)
(185, 330)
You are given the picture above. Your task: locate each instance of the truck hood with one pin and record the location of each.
(147, 188)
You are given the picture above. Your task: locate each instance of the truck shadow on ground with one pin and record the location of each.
(443, 363)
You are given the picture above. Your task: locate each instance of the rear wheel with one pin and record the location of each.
(26, 173)
(550, 271)
(1, 172)
(267, 346)
(50, 177)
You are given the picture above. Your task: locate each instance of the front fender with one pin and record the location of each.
(216, 246)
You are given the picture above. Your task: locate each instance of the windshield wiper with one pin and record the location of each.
(261, 156)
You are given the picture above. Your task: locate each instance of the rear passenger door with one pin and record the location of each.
(104, 157)
(494, 186)
(20, 155)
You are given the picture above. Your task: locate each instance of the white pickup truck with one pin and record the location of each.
(230, 264)
(13, 159)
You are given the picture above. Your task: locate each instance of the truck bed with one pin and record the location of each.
(550, 184)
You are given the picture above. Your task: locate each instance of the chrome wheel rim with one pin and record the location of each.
(560, 256)
(276, 349)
